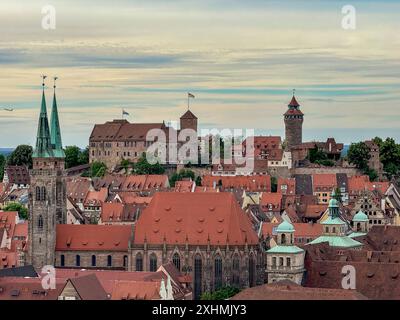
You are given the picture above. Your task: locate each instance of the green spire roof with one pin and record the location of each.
(55, 129)
(43, 144)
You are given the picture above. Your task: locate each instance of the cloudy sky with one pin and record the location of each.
(240, 58)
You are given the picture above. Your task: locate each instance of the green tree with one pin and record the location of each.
(15, 206)
(72, 156)
(220, 294)
(144, 167)
(84, 156)
(198, 181)
(184, 173)
(390, 157)
(315, 155)
(274, 184)
(359, 155)
(372, 174)
(21, 156)
(98, 169)
(126, 164)
(2, 164)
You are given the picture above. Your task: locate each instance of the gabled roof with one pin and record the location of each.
(188, 115)
(88, 287)
(214, 218)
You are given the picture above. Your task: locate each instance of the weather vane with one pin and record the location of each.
(43, 77)
(294, 91)
(55, 78)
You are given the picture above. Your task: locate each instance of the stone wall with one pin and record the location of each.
(332, 170)
(86, 259)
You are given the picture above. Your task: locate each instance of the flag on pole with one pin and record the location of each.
(190, 95)
(124, 113)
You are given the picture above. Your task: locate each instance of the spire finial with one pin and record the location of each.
(43, 78)
(55, 79)
(294, 91)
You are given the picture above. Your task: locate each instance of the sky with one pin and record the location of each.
(241, 60)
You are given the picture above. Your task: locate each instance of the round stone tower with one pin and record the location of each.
(293, 124)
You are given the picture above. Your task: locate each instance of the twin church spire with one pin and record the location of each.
(48, 139)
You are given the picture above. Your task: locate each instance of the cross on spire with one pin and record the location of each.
(55, 79)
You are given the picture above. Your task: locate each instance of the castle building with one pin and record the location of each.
(285, 261)
(293, 118)
(47, 192)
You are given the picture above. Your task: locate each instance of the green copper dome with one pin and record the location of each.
(285, 227)
(333, 203)
(360, 217)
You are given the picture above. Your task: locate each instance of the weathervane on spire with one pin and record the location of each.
(43, 78)
(294, 91)
(55, 79)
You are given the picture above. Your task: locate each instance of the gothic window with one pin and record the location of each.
(251, 271)
(93, 260)
(236, 271)
(217, 272)
(288, 262)
(109, 261)
(62, 262)
(153, 262)
(40, 222)
(198, 272)
(139, 262)
(37, 194)
(177, 261)
(78, 260)
(43, 194)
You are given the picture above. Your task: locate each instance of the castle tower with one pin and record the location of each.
(285, 261)
(188, 121)
(47, 193)
(293, 124)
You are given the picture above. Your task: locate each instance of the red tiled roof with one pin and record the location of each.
(96, 197)
(271, 198)
(216, 217)
(361, 183)
(249, 183)
(184, 186)
(188, 115)
(290, 183)
(17, 288)
(324, 180)
(111, 211)
(145, 182)
(315, 210)
(136, 290)
(92, 237)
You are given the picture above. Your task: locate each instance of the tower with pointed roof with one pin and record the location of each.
(293, 118)
(285, 260)
(47, 194)
(188, 121)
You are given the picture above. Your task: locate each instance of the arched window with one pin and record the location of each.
(236, 271)
(358, 226)
(333, 230)
(109, 261)
(37, 194)
(198, 275)
(280, 261)
(40, 221)
(288, 262)
(251, 271)
(153, 262)
(176, 259)
(217, 272)
(283, 238)
(273, 262)
(139, 262)
(62, 262)
(125, 262)
(43, 194)
(78, 260)
(93, 260)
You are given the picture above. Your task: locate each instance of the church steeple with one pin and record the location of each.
(43, 141)
(55, 128)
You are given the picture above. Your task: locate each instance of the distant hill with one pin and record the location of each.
(6, 151)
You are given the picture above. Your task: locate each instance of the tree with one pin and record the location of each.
(359, 154)
(126, 164)
(184, 173)
(220, 294)
(21, 156)
(372, 174)
(144, 167)
(389, 153)
(198, 181)
(15, 206)
(315, 154)
(98, 169)
(84, 156)
(72, 156)
(2, 164)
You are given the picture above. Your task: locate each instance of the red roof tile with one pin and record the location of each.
(92, 237)
(213, 216)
